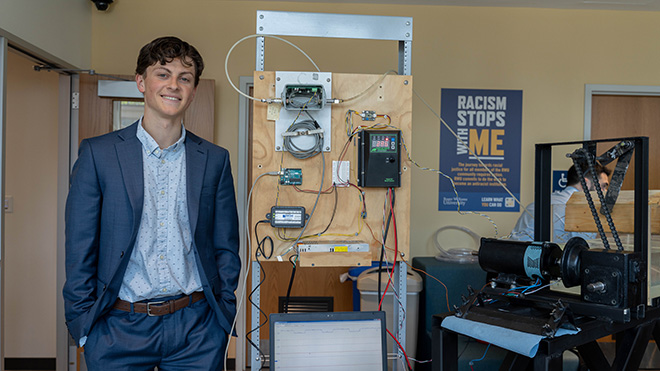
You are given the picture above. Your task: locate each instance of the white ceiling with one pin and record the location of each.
(635, 5)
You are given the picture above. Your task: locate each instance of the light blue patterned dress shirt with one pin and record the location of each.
(163, 262)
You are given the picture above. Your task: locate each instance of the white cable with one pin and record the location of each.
(249, 261)
(251, 37)
(309, 128)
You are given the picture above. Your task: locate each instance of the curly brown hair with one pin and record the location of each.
(164, 50)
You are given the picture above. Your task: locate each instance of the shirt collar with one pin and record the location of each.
(151, 146)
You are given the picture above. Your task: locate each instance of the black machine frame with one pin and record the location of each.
(543, 208)
(543, 189)
(631, 342)
(632, 327)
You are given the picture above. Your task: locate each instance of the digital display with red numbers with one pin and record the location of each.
(383, 143)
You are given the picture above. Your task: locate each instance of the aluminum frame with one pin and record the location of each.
(345, 26)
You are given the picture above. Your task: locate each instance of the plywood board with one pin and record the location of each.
(309, 281)
(580, 219)
(392, 97)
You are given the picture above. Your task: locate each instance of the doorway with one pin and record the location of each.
(31, 201)
(614, 111)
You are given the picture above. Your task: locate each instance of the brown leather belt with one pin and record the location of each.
(160, 308)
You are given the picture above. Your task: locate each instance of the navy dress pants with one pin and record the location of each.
(188, 339)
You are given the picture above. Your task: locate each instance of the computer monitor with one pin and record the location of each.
(330, 341)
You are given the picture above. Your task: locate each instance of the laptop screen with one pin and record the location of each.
(328, 341)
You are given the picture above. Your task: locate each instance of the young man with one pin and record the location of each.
(524, 229)
(152, 232)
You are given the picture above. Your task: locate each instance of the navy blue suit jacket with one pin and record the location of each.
(103, 212)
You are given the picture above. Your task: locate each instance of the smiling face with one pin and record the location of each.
(168, 90)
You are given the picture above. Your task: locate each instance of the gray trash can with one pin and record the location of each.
(367, 284)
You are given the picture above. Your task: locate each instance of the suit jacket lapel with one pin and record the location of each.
(129, 153)
(195, 168)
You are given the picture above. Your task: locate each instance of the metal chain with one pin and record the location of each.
(604, 209)
(575, 155)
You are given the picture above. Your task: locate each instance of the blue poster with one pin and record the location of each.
(489, 125)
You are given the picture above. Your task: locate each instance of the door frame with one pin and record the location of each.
(39, 56)
(599, 89)
(3, 118)
(245, 83)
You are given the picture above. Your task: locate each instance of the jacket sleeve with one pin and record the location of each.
(226, 238)
(82, 218)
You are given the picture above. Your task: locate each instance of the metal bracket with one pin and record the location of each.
(485, 308)
(346, 26)
(75, 100)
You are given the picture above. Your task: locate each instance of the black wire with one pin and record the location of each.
(262, 242)
(247, 335)
(288, 291)
(382, 250)
(260, 251)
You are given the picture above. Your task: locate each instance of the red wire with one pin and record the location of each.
(396, 247)
(326, 191)
(396, 253)
(389, 279)
(362, 197)
(402, 350)
(396, 250)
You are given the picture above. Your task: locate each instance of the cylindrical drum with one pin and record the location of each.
(523, 258)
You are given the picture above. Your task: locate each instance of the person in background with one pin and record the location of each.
(524, 229)
(152, 232)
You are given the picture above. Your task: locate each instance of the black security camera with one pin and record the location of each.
(102, 4)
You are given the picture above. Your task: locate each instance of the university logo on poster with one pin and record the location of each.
(487, 124)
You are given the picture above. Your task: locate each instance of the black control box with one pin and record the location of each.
(379, 158)
(287, 217)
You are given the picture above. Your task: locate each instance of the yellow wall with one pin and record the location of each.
(57, 30)
(549, 54)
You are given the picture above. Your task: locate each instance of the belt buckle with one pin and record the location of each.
(149, 304)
